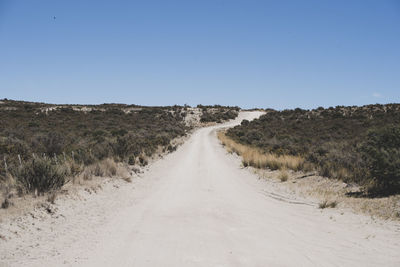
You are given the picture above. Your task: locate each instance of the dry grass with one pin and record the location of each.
(124, 173)
(6, 188)
(327, 192)
(51, 197)
(319, 189)
(283, 175)
(327, 204)
(255, 158)
(104, 168)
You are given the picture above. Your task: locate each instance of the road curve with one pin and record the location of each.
(197, 207)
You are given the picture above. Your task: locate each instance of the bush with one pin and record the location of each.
(131, 160)
(171, 148)
(327, 204)
(143, 161)
(381, 152)
(40, 175)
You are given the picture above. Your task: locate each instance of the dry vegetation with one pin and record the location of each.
(305, 148)
(283, 175)
(217, 113)
(318, 190)
(354, 144)
(256, 158)
(327, 204)
(44, 146)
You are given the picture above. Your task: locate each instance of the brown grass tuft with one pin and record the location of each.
(283, 175)
(104, 168)
(52, 197)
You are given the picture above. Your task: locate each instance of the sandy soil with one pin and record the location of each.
(320, 189)
(196, 207)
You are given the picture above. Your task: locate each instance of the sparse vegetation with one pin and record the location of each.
(217, 113)
(52, 197)
(355, 144)
(6, 203)
(104, 168)
(327, 204)
(283, 176)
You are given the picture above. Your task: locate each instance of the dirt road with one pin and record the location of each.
(197, 207)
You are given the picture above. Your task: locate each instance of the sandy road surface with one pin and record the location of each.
(197, 207)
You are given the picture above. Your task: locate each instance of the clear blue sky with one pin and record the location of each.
(279, 54)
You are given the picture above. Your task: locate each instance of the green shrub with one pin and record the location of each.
(381, 151)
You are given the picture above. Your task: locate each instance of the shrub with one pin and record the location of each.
(327, 204)
(381, 152)
(50, 143)
(5, 204)
(171, 148)
(142, 160)
(131, 160)
(40, 175)
(283, 176)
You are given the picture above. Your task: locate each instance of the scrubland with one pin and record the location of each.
(44, 146)
(292, 175)
(358, 145)
(197, 195)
